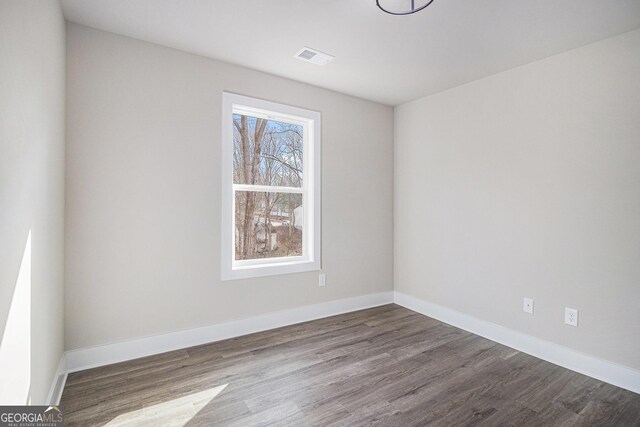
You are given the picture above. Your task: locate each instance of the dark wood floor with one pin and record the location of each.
(384, 366)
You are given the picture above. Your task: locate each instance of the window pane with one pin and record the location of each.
(268, 225)
(266, 152)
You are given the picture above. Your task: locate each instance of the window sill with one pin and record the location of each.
(263, 270)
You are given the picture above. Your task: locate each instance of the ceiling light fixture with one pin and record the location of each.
(402, 7)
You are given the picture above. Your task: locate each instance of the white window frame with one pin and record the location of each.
(311, 233)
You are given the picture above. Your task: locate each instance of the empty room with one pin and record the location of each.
(319, 213)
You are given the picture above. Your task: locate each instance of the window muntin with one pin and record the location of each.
(271, 191)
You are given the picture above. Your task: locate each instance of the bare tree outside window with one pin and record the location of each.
(267, 153)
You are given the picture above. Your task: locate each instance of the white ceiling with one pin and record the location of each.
(385, 58)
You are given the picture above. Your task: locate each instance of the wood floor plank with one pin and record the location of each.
(385, 366)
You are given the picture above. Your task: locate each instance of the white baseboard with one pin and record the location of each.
(610, 372)
(59, 380)
(85, 358)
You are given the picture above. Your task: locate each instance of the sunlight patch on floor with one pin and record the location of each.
(176, 412)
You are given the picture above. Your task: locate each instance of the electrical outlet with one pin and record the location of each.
(322, 279)
(528, 305)
(571, 316)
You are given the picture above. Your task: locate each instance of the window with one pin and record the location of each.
(271, 188)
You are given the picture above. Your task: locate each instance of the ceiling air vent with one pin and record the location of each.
(314, 56)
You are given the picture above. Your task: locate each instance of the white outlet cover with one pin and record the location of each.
(322, 280)
(571, 316)
(527, 305)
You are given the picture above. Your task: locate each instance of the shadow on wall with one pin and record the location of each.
(15, 345)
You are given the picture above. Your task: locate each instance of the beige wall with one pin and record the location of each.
(143, 192)
(32, 70)
(527, 183)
